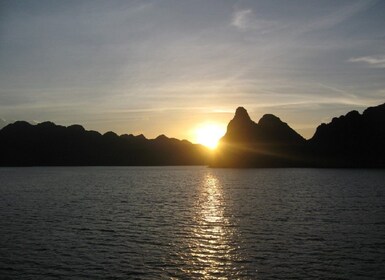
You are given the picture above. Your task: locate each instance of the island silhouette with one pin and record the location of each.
(351, 141)
(48, 144)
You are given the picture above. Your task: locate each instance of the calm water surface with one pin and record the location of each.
(191, 223)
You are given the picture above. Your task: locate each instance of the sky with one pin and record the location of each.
(169, 66)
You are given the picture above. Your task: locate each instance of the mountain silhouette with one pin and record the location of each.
(268, 143)
(47, 144)
(353, 140)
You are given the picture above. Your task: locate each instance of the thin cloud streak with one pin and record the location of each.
(337, 16)
(375, 61)
(241, 19)
(246, 20)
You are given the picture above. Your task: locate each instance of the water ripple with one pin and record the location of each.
(191, 223)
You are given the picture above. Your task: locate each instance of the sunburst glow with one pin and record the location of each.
(209, 134)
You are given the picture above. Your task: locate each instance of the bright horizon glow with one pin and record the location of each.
(208, 134)
(164, 67)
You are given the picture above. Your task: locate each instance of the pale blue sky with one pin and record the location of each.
(166, 66)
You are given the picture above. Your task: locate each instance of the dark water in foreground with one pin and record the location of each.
(191, 223)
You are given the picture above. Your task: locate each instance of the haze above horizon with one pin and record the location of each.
(173, 67)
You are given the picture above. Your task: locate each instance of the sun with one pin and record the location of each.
(208, 134)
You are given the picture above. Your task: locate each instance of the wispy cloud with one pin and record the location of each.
(330, 19)
(339, 15)
(247, 20)
(241, 19)
(337, 90)
(375, 61)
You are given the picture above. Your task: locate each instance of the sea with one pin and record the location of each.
(191, 223)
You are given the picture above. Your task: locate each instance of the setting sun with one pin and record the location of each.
(209, 134)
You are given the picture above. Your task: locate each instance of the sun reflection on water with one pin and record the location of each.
(212, 248)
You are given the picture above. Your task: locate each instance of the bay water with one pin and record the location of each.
(191, 223)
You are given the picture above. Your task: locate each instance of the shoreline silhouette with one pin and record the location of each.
(353, 140)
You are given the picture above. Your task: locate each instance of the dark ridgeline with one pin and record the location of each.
(353, 140)
(47, 144)
(270, 143)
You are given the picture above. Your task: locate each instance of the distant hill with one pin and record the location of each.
(47, 144)
(353, 140)
(268, 143)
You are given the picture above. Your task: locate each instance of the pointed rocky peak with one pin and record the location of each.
(241, 127)
(241, 115)
(240, 122)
